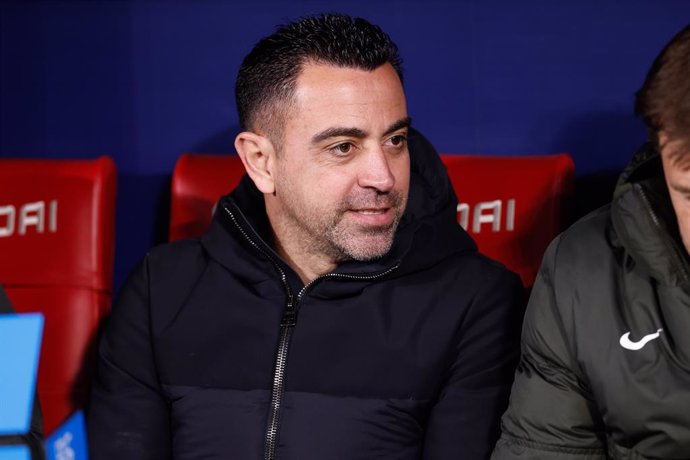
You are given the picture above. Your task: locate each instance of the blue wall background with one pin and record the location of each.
(144, 81)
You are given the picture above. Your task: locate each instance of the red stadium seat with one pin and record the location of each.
(197, 182)
(512, 206)
(57, 244)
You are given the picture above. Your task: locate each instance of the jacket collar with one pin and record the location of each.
(645, 222)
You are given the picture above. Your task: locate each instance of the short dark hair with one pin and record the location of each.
(266, 80)
(663, 102)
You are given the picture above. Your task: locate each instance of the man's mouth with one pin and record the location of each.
(373, 217)
(371, 211)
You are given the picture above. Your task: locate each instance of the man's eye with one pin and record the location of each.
(342, 149)
(398, 140)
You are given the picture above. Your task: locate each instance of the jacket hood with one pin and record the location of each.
(644, 220)
(428, 231)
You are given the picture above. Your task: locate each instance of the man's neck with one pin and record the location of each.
(307, 265)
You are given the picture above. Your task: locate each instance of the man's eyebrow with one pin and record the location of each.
(338, 132)
(684, 189)
(402, 123)
(356, 132)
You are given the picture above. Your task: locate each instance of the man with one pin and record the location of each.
(335, 309)
(605, 368)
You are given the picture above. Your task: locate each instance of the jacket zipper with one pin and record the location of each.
(655, 219)
(287, 324)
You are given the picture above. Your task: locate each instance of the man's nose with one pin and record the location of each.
(376, 171)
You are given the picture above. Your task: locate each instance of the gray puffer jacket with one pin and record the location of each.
(605, 367)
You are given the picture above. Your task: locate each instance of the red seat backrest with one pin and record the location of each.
(197, 182)
(57, 244)
(512, 206)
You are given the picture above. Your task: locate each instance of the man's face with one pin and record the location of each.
(677, 174)
(343, 169)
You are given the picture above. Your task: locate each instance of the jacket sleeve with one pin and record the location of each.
(128, 415)
(464, 422)
(551, 413)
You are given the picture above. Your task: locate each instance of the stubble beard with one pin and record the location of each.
(340, 239)
(343, 240)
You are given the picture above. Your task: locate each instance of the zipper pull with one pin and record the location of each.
(290, 314)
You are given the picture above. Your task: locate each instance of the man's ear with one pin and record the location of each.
(663, 138)
(258, 155)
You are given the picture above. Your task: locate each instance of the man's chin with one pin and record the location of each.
(369, 248)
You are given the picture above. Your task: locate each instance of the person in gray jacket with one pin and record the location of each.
(605, 366)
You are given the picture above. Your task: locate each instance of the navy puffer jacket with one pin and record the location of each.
(215, 349)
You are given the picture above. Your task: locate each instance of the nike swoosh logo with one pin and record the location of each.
(630, 345)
